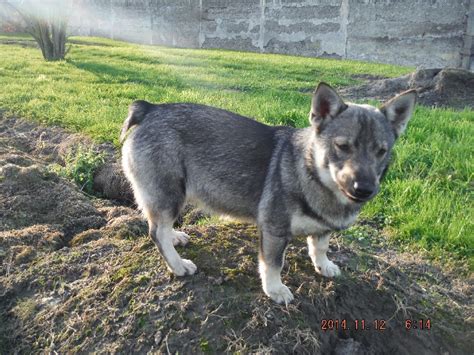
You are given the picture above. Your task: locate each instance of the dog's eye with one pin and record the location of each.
(343, 147)
(381, 152)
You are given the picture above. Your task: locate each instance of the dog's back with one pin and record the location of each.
(206, 154)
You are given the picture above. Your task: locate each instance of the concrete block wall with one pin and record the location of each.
(310, 28)
(428, 33)
(467, 55)
(231, 24)
(403, 31)
(167, 22)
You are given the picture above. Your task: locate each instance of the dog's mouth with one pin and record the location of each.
(354, 198)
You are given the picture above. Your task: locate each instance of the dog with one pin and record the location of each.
(289, 181)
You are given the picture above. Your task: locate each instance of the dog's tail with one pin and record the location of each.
(136, 114)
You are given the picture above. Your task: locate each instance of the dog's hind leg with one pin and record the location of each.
(158, 182)
(162, 233)
(271, 257)
(317, 249)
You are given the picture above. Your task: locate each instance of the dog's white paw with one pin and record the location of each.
(186, 267)
(279, 293)
(180, 238)
(328, 269)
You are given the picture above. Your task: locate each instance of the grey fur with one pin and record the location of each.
(288, 181)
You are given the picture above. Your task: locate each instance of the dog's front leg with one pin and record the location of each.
(317, 249)
(271, 258)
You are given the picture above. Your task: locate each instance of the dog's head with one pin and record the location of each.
(353, 142)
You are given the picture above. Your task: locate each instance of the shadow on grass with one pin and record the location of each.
(90, 43)
(25, 43)
(115, 74)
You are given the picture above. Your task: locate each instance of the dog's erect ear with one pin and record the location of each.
(399, 109)
(326, 104)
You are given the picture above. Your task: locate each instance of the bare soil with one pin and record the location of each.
(79, 274)
(447, 87)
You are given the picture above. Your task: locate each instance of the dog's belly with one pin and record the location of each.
(226, 210)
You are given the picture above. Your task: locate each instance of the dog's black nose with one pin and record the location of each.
(363, 189)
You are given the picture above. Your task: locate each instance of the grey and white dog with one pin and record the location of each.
(289, 181)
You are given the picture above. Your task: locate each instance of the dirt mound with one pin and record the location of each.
(32, 195)
(436, 87)
(110, 182)
(53, 145)
(78, 274)
(116, 295)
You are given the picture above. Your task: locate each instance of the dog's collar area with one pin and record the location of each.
(310, 212)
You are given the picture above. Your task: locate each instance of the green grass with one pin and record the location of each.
(427, 197)
(426, 201)
(90, 92)
(80, 166)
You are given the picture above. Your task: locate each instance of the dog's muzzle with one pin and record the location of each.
(360, 191)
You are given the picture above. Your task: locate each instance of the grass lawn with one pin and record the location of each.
(425, 203)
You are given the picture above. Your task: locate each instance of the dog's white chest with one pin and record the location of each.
(304, 225)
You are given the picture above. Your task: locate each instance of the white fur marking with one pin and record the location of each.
(317, 249)
(328, 176)
(272, 285)
(304, 225)
(175, 263)
(180, 238)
